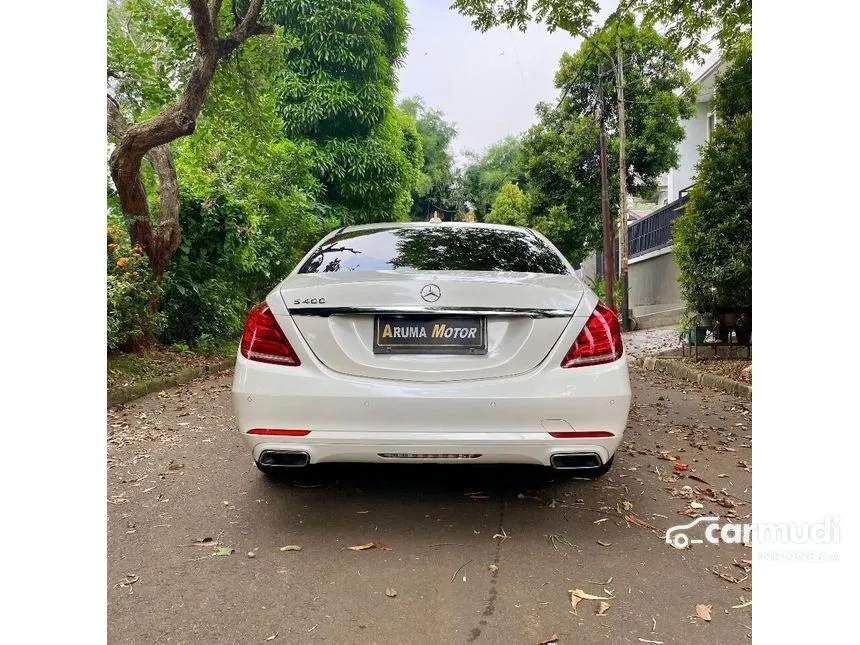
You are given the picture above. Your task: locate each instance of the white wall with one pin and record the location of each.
(696, 133)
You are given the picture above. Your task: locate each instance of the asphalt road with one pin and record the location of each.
(478, 555)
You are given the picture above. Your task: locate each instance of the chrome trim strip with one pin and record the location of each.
(440, 311)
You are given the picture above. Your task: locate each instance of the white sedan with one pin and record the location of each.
(432, 343)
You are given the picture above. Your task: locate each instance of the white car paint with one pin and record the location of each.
(498, 407)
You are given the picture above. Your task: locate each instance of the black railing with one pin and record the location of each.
(654, 231)
(651, 233)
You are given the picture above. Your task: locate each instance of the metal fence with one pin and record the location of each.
(651, 233)
(654, 231)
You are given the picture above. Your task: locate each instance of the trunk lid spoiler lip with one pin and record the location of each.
(441, 311)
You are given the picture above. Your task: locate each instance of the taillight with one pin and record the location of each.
(263, 340)
(599, 341)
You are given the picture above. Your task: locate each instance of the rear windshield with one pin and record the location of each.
(437, 248)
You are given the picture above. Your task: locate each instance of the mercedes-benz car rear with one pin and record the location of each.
(426, 342)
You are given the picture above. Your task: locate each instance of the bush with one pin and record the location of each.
(713, 237)
(131, 292)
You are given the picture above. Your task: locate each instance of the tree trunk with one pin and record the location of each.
(152, 136)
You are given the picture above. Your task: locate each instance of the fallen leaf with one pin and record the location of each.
(698, 479)
(552, 640)
(679, 467)
(390, 593)
(225, 550)
(704, 612)
(742, 605)
(252, 554)
(696, 505)
(493, 567)
(361, 547)
(602, 543)
(579, 593)
(272, 637)
(635, 520)
(574, 601)
(291, 547)
(371, 545)
(602, 608)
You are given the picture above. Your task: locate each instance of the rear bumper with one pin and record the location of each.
(500, 420)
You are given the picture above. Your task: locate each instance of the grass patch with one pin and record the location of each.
(133, 375)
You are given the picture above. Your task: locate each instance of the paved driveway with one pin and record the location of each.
(483, 555)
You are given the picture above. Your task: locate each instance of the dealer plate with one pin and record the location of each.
(430, 335)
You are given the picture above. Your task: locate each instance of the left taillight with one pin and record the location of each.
(264, 341)
(599, 341)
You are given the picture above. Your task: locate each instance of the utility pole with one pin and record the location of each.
(622, 183)
(605, 215)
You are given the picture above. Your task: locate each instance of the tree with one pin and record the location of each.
(510, 207)
(435, 187)
(687, 22)
(485, 175)
(151, 135)
(337, 96)
(713, 236)
(561, 151)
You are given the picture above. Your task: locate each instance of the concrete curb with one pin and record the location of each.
(681, 371)
(138, 390)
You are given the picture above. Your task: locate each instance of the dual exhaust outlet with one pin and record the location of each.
(584, 461)
(284, 459)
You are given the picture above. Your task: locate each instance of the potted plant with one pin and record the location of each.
(690, 328)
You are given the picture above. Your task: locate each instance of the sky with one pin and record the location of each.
(487, 84)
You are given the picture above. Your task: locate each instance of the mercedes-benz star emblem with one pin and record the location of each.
(431, 292)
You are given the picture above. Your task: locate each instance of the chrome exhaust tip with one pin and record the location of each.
(284, 459)
(576, 461)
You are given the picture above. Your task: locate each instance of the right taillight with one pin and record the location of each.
(264, 341)
(598, 342)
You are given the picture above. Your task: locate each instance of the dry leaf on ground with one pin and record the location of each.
(579, 593)
(602, 608)
(371, 545)
(390, 593)
(552, 640)
(704, 612)
(291, 547)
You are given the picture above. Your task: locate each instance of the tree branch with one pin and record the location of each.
(116, 124)
(244, 30)
(205, 33)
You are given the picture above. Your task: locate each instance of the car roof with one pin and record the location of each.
(389, 225)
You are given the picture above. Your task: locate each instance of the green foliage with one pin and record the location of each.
(687, 22)
(250, 200)
(130, 290)
(561, 153)
(337, 97)
(511, 207)
(486, 174)
(435, 184)
(713, 237)
(574, 16)
(598, 286)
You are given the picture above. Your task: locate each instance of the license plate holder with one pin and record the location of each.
(429, 334)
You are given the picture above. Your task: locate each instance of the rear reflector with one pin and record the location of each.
(585, 434)
(277, 432)
(599, 341)
(264, 341)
